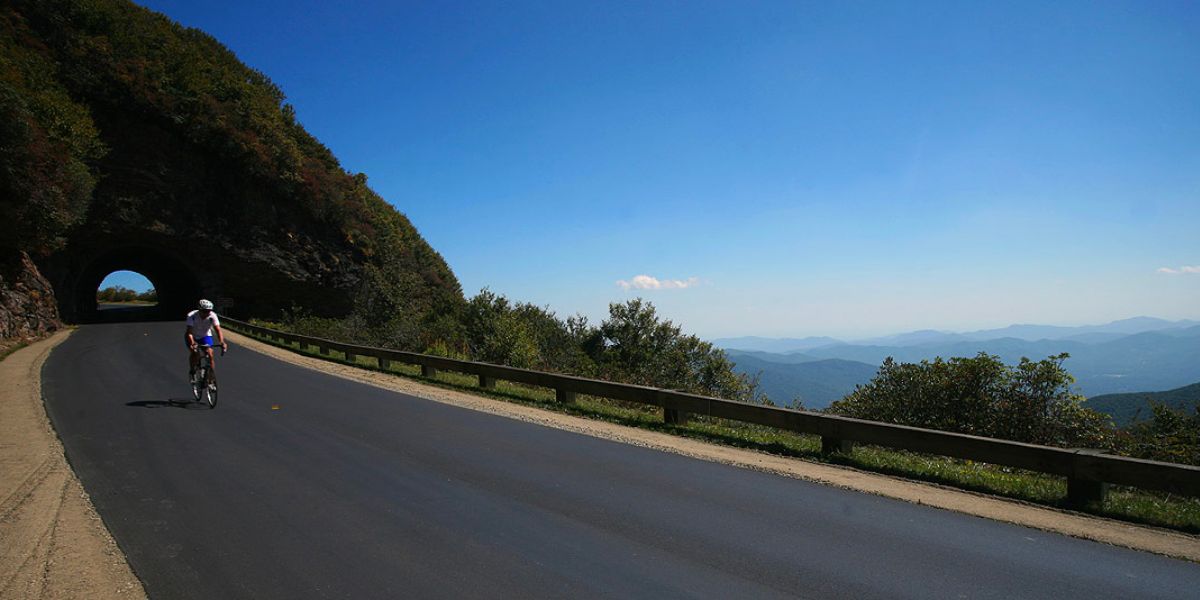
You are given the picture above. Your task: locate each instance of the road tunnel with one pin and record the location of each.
(177, 284)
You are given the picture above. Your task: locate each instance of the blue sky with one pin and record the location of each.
(784, 169)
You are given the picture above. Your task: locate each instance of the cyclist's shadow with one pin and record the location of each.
(184, 403)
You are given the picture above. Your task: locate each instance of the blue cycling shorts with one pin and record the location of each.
(204, 341)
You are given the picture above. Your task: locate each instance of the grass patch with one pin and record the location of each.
(1158, 509)
(7, 348)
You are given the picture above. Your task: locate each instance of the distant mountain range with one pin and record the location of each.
(1132, 355)
(1085, 333)
(1126, 408)
(780, 345)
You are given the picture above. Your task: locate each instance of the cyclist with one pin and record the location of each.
(201, 323)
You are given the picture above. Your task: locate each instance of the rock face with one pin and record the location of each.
(27, 307)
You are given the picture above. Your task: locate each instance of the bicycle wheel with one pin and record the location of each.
(211, 392)
(198, 383)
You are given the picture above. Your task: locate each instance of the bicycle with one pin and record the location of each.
(204, 381)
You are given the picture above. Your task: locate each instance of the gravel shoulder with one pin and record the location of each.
(53, 545)
(1117, 533)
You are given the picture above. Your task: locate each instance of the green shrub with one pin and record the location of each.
(633, 345)
(520, 335)
(1030, 402)
(1171, 435)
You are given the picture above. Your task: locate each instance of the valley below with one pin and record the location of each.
(1124, 357)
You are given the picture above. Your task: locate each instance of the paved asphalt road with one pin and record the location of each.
(348, 491)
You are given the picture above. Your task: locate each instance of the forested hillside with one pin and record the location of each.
(812, 384)
(118, 124)
(1137, 406)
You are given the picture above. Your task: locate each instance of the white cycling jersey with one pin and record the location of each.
(202, 327)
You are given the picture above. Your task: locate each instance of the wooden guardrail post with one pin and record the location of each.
(384, 364)
(324, 349)
(303, 345)
(564, 396)
(351, 357)
(1086, 493)
(832, 445)
(674, 416)
(1082, 493)
(487, 383)
(428, 371)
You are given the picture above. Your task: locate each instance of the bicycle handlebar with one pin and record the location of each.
(223, 350)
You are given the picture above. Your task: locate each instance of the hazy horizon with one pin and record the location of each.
(1184, 322)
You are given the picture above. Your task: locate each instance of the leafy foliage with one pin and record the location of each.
(1030, 402)
(46, 142)
(120, 293)
(1171, 435)
(633, 345)
(520, 335)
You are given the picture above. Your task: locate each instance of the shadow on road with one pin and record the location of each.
(184, 403)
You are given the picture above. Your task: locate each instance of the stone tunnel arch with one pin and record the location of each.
(178, 285)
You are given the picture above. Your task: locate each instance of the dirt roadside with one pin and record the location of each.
(1108, 531)
(52, 544)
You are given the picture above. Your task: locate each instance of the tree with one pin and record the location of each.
(116, 293)
(46, 142)
(1030, 402)
(520, 335)
(635, 346)
(1171, 435)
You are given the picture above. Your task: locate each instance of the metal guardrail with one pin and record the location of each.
(1088, 472)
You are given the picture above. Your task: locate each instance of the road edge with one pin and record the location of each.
(1098, 529)
(53, 543)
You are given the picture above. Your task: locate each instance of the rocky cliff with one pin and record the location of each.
(27, 308)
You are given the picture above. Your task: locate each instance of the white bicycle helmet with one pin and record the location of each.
(206, 305)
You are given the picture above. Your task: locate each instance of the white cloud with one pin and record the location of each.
(646, 282)
(1180, 270)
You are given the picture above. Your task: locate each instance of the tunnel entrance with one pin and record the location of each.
(177, 287)
(126, 295)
